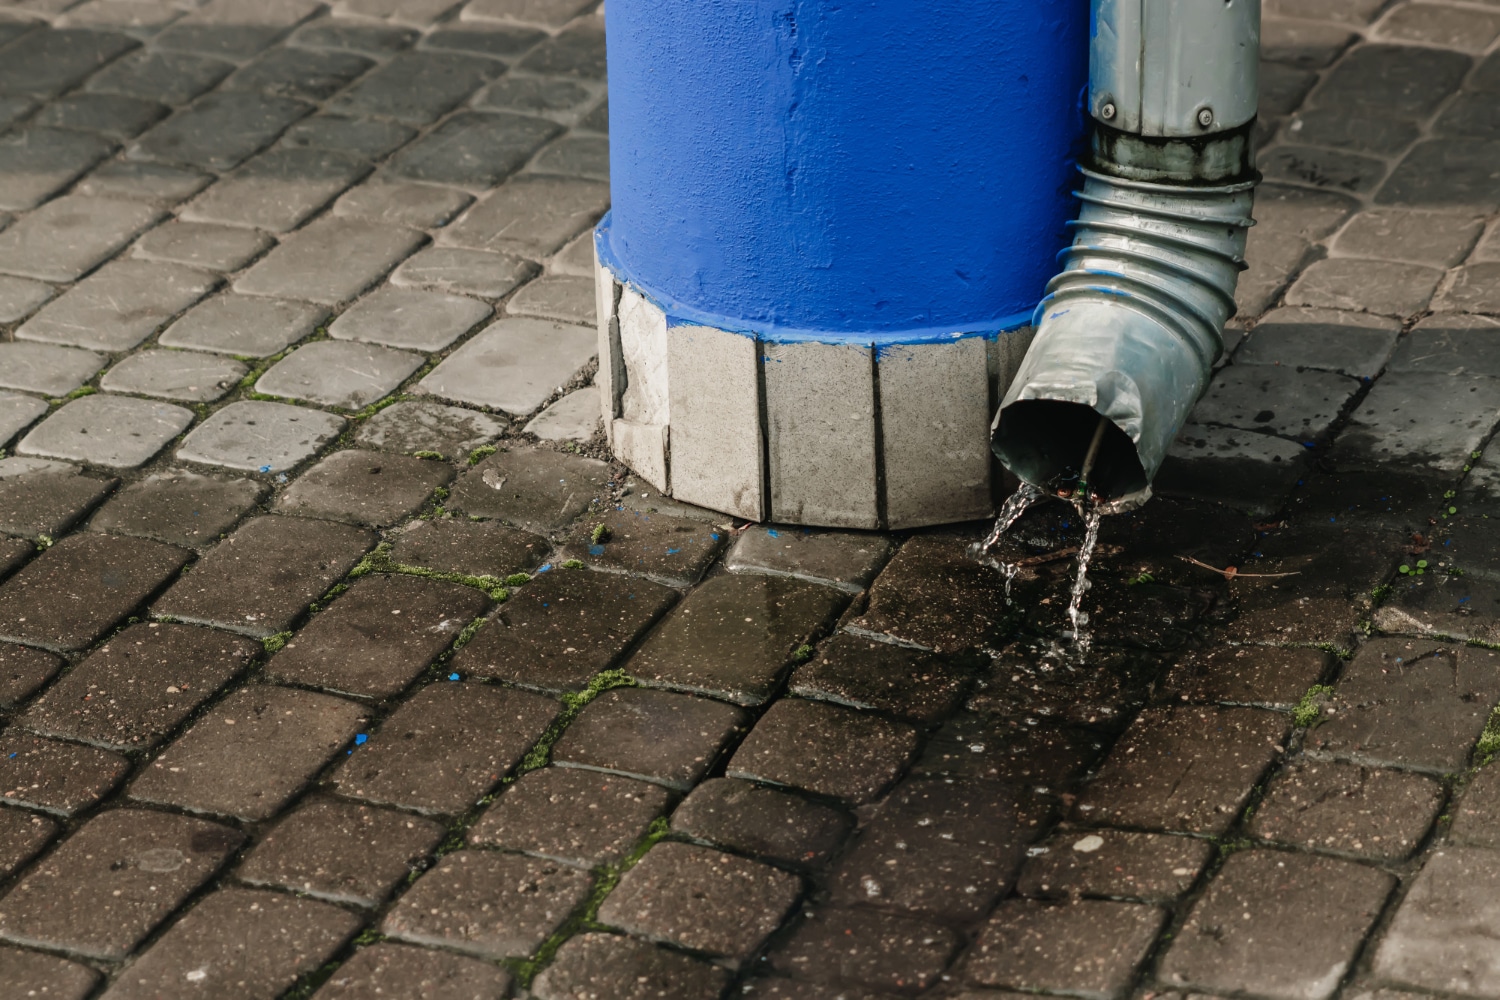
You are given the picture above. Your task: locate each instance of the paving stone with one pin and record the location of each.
(113, 880)
(234, 29)
(1349, 343)
(173, 78)
(32, 974)
(1263, 676)
(1325, 168)
(19, 297)
(574, 417)
(115, 431)
(134, 691)
(416, 205)
(1471, 116)
(1306, 919)
(1302, 44)
(1443, 606)
(1282, 88)
(1446, 172)
(1297, 404)
(860, 673)
(1420, 420)
(1088, 948)
(881, 951)
(450, 431)
(355, 35)
(112, 115)
(363, 138)
(1454, 28)
(534, 489)
(761, 821)
(1187, 770)
(487, 904)
(564, 627)
(577, 258)
(46, 498)
(329, 261)
(578, 817)
(54, 371)
(528, 93)
(668, 550)
(1474, 815)
(552, 13)
(934, 596)
(1293, 211)
(698, 898)
(283, 436)
(251, 753)
(606, 965)
(474, 548)
(657, 736)
(278, 190)
(515, 364)
(841, 559)
(470, 272)
(365, 487)
(1348, 809)
(597, 120)
(1028, 680)
(735, 635)
(577, 50)
(178, 506)
(474, 149)
(1375, 286)
(69, 236)
(1405, 81)
(1273, 259)
(37, 162)
(777, 988)
(825, 749)
(387, 969)
(243, 325)
(118, 306)
(419, 321)
(341, 851)
(247, 944)
(565, 299)
(447, 747)
(575, 156)
(1472, 289)
(380, 636)
(530, 216)
(179, 375)
(56, 60)
(1451, 344)
(24, 671)
(415, 12)
(220, 131)
(56, 777)
(1007, 750)
(418, 87)
(155, 182)
(71, 594)
(287, 72)
(499, 41)
(139, 17)
(336, 373)
(1432, 238)
(1441, 936)
(261, 578)
(1113, 864)
(1362, 130)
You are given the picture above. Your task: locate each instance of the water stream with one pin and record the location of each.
(1017, 504)
(1081, 585)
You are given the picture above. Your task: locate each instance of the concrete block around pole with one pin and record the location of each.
(718, 458)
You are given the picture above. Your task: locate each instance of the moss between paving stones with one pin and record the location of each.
(379, 560)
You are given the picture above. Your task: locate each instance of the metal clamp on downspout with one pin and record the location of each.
(1130, 329)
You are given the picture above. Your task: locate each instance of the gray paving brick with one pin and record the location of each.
(178, 506)
(119, 305)
(578, 817)
(357, 35)
(1282, 88)
(55, 60)
(1086, 948)
(260, 437)
(597, 120)
(450, 431)
(1446, 173)
(825, 749)
(234, 29)
(1363, 130)
(779, 988)
(46, 498)
(1471, 116)
(1440, 937)
(882, 951)
(1303, 44)
(753, 819)
(111, 115)
(514, 365)
(418, 321)
(341, 851)
(669, 550)
(1335, 169)
(469, 272)
(1374, 286)
(220, 131)
(330, 261)
(497, 40)
(251, 753)
(1302, 405)
(37, 162)
(13, 109)
(1474, 815)
(1454, 28)
(156, 182)
(368, 138)
(13, 554)
(474, 149)
(243, 325)
(53, 371)
(277, 190)
(574, 417)
(478, 548)
(408, 971)
(1348, 809)
(344, 487)
(19, 297)
(31, 973)
(115, 431)
(487, 904)
(575, 156)
(247, 943)
(842, 559)
(931, 595)
(133, 691)
(1273, 258)
(1350, 343)
(1452, 343)
(180, 375)
(288, 72)
(23, 834)
(173, 78)
(1263, 676)
(217, 248)
(577, 50)
(1438, 239)
(414, 12)
(577, 258)
(1420, 420)
(530, 216)
(528, 93)
(338, 373)
(17, 412)
(1472, 289)
(264, 575)
(658, 736)
(614, 966)
(854, 671)
(418, 87)
(1403, 80)
(1113, 864)
(57, 777)
(416, 205)
(67, 237)
(141, 18)
(110, 883)
(560, 297)
(552, 13)
(534, 489)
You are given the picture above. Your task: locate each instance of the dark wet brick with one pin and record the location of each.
(1348, 809)
(259, 579)
(698, 898)
(578, 817)
(52, 61)
(446, 747)
(341, 851)
(418, 87)
(881, 951)
(398, 970)
(1462, 607)
(180, 507)
(777, 988)
(1114, 864)
(1446, 172)
(656, 735)
(31, 974)
(1029, 680)
(605, 965)
(861, 673)
(113, 880)
(735, 635)
(1386, 498)
(845, 559)
(23, 671)
(1088, 948)
(563, 628)
(762, 821)
(22, 835)
(246, 943)
(1277, 925)
(488, 904)
(1011, 750)
(140, 685)
(1265, 676)
(48, 502)
(932, 594)
(534, 489)
(13, 554)
(1476, 818)
(55, 776)
(669, 550)
(575, 51)
(1412, 703)
(825, 749)
(250, 754)
(379, 636)
(475, 548)
(74, 592)
(1442, 938)
(1184, 769)
(365, 487)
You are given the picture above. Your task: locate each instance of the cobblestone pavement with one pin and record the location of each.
(336, 662)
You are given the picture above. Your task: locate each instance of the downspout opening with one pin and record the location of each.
(1045, 441)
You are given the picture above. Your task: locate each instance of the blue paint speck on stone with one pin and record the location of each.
(596, 550)
(453, 677)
